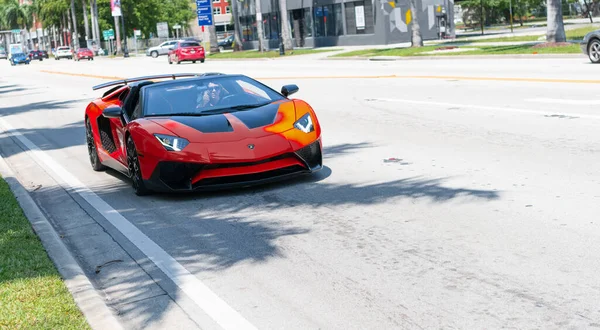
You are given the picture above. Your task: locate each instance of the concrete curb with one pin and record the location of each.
(89, 301)
(454, 57)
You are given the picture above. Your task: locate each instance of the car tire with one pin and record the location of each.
(201, 61)
(135, 173)
(594, 51)
(92, 151)
(154, 54)
(193, 61)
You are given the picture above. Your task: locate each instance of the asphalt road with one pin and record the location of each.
(487, 217)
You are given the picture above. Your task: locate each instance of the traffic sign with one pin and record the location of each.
(108, 34)
(204, 11)
(17, 31)
(162, 28)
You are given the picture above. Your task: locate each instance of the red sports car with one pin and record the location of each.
(84, 53)
(186, 51)
(201, 132)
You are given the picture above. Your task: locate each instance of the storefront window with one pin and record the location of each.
(359, 17)
(328, 20)
(248, 25)
(308, 23)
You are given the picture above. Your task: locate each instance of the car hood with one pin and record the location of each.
(273, 118)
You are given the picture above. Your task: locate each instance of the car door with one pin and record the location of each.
(167, 47)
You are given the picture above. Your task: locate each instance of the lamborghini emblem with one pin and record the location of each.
(251, 146)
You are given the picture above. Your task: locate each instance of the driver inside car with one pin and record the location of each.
(211, 96)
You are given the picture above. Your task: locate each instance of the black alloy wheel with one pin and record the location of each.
(135, 173)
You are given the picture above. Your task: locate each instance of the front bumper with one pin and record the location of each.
(169, 176)
(584, 47)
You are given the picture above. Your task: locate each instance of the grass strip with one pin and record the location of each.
(32, 293)
(469, 50)
(268, 54)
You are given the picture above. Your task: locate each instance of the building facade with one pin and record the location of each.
(222, 17)
(323, 23)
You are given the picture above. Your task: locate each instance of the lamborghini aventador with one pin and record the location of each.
(201, 132)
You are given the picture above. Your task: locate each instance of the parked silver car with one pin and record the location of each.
(162, 49)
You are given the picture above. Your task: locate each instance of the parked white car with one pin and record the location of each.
(63, 52)
(162, 49)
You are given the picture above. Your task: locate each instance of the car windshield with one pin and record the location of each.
(219, 94)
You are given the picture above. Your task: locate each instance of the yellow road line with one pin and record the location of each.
(513, 79)
(82, 75)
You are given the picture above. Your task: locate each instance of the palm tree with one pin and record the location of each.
(285, 26)
(417, 39)
(214, 44)
(16, 15)
(556, 28)
(237, 36)
(75, 37)
(85, 20)
(259, 28)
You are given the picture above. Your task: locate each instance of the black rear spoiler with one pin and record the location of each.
(164, 76)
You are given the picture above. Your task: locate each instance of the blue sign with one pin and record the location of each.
(204, 11)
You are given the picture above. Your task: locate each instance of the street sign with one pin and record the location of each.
(162, 29)
(108, 34)
(17, 31)
(204, 11)
(137, 32)
(177, 27)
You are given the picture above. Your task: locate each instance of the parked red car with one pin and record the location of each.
(186, 51)
(84, 53)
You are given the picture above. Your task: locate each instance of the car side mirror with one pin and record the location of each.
(288, 90)
(113, 112)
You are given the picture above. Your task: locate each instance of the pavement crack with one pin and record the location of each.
(99, 268)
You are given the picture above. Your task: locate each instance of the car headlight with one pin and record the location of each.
(172, 143)
(305, 124)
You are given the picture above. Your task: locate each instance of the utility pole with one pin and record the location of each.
(118, 35)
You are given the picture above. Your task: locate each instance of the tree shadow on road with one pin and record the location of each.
(45, 138)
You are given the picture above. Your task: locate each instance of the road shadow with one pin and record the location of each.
(18, 89)
(46, 138)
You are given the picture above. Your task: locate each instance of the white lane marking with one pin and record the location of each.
(215, 307)
(482, 107)
(564, 101)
